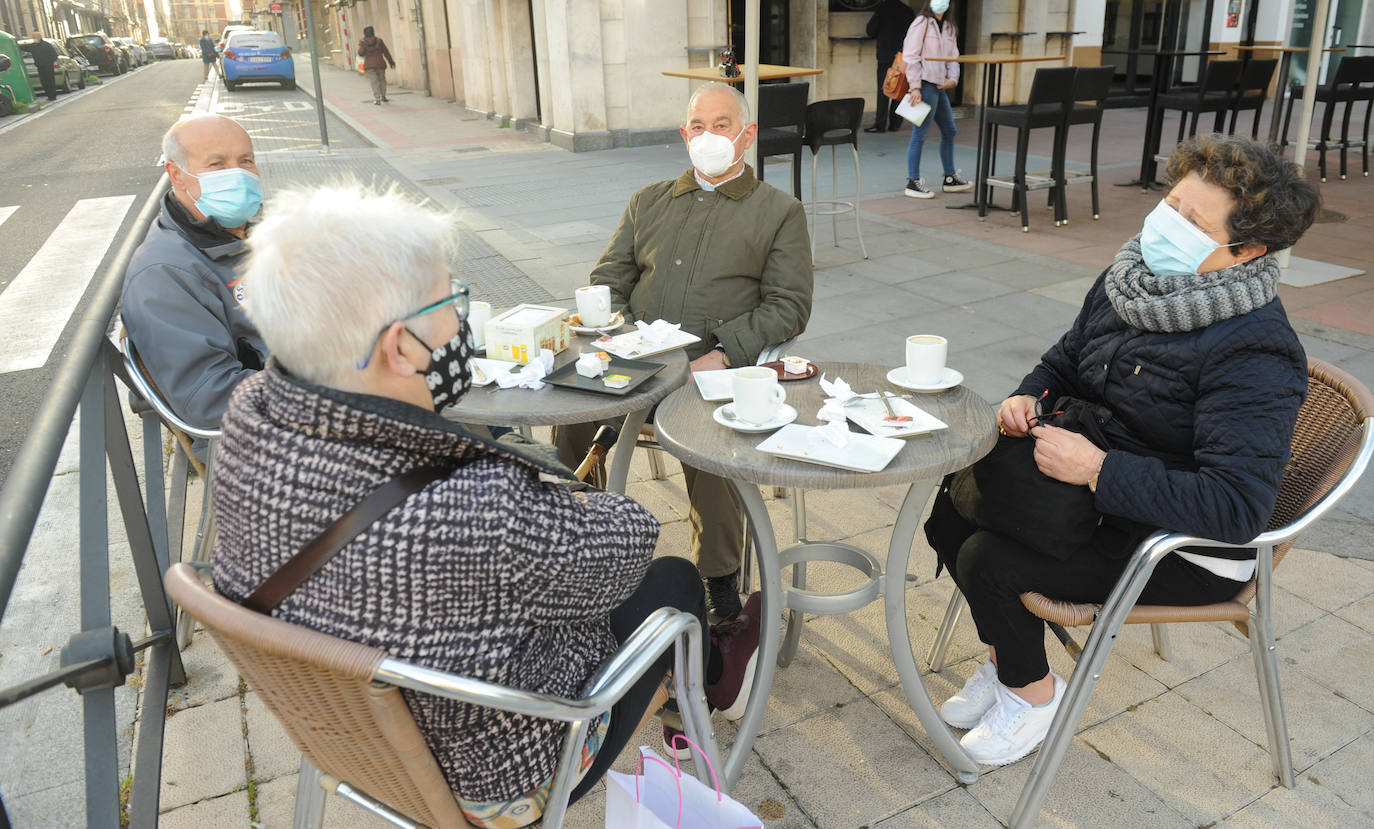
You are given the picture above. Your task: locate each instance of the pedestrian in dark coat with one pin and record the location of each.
(375, 57)
(208, 53)
(1183, 340)
(44, 59)
(888, 25)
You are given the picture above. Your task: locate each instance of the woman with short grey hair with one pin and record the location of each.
(503, 569)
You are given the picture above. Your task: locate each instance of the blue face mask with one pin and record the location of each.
(1170, 244)
(229, 196)
(939, 6)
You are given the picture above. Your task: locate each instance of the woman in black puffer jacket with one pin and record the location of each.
(1184, 341)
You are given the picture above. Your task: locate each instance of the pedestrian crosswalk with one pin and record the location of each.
(36, 306)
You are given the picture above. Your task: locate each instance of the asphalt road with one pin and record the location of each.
(103, 142)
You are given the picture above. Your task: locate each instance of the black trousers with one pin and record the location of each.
(48, 79)
(885, 111)
(670, 582)
(992, 571)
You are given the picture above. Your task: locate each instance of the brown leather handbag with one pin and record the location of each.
(895, 84)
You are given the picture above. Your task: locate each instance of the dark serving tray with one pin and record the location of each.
(637, 370)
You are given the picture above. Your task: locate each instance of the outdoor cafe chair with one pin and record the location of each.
(1332, 445)
(1212, 95)
(782, 123)
(145, 391)
(829, 124)
(1353, 82)
(1051, 98)
(1251, 92)
(341, 704)
(1091, 83)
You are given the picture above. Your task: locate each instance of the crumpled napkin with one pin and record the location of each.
(653, 333)
(531, 376)
(834, 428)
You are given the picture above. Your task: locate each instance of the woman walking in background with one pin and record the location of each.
(375, 58)
(930, 42)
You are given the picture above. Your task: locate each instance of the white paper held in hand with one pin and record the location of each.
(915, 113)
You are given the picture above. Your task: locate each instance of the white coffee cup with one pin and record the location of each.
(925, 359)
(594, 305)
(757, 394)
(478, 314)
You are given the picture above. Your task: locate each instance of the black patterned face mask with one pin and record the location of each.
(449, 375)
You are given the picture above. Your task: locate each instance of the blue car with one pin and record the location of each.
(250, 57)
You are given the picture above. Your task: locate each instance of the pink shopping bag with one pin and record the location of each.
(665, 798)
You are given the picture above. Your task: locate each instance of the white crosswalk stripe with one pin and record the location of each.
(6, 212)
(35, 307)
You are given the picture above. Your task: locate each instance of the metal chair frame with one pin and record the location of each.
(664, 628)
(1120, 603)
(822, 130)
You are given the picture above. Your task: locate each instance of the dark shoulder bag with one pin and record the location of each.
(323, 547)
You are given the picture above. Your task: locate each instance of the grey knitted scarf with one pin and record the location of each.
(1186, 302)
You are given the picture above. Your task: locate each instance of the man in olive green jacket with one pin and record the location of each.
(728, 257)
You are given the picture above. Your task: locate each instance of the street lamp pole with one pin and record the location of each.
(315, 69)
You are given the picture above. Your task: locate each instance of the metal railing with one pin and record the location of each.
(99, 657)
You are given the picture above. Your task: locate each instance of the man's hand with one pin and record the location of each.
(712, 360)
(1066, 456)
(915, 97)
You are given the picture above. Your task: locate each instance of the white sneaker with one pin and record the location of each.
(1012, 728)
(966, 708)
(916, 188)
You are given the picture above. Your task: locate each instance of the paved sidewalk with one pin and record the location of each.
(1178, 743)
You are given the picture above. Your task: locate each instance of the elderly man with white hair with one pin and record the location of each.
(501, 568)
(182, 303)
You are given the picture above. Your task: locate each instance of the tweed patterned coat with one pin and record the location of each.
(497, 572)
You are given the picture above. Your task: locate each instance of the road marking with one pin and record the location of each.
(6, 212)
(37, 304)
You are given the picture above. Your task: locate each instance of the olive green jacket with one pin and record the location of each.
(732, 266)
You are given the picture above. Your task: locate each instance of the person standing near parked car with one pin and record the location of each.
(929, 45)
(208, 55)
(375, 58)
(889, 25)
(44, 58)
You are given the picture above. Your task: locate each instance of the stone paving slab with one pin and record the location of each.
(202, 755)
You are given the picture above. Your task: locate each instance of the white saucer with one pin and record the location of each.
(949, 380)
(617, 320)
(786, 414)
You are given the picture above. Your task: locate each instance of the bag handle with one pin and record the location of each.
(323, 547)
(689, 741)
(677, 778)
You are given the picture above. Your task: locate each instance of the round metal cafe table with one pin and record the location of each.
(685, 428)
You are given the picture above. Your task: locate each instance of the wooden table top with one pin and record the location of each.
(686, 429)
(767, 72)
(992, 58)
(1290, 48)
(492, 405)
(1167, 53)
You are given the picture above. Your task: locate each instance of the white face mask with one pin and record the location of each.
(712, 153)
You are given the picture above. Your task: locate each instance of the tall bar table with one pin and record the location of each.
(1159, 81)
(1281, 89)
(991, 96)
(767, 72)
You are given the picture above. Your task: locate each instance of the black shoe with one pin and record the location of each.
(875, 128)
(722, 596)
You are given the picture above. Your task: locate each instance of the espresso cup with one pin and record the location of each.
(478, 314)
(925, 359)
(757, 394)
(594, 305)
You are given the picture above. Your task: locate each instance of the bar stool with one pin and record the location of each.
(782, 122)
(1212, 95)
(1353, 81)
(1251, 91)
(1092, 83)
(1051, 98)
(829, 124)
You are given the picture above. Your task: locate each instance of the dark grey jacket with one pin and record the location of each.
(183, 307)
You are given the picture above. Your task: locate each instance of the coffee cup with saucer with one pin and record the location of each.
(949, 378)
(725, 416)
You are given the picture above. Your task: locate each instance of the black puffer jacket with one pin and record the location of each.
(1202, 419)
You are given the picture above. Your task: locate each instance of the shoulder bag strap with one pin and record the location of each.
(304, 564)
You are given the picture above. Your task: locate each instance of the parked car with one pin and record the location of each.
(140, 55)
(160, 48)
(66, 70)
(104, 54)
(250, 57)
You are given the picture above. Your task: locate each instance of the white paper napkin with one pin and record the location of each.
(653, 333)
(834, 428)
(531, 376)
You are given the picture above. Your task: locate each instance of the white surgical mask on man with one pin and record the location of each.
(712, 153)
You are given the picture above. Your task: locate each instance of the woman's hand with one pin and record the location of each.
(1066, 456)
(915, 97)
(1013, 416)
(947, 85)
